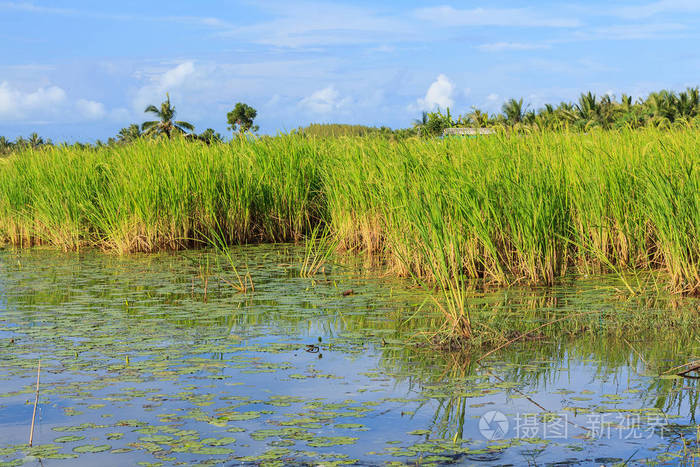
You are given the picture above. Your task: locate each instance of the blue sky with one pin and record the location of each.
(80, 70)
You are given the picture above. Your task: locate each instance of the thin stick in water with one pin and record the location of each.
(36, 402)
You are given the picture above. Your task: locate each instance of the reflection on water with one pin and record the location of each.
(157, 359)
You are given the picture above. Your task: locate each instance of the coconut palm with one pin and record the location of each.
(419, 123)
(688, 103)
(165, 123)
(36, 141)
(129, 134)
(587, 107)
(661, 108)
(608, 110)
(514, 111)
(478, 117)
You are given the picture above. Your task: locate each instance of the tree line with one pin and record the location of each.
(240, 121)
(662, 109)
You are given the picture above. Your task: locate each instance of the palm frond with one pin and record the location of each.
(187, 125)
(152, 109)
(150, 127)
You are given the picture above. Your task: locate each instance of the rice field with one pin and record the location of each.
(505, 209)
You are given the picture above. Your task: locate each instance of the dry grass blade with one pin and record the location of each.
(687, 369)
(319, 247)
(36, 402)
(522, 336)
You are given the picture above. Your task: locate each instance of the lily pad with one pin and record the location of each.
(90, 448)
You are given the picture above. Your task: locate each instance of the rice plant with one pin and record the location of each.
(511, 208)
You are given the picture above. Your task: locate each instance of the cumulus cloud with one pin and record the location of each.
(16, 104)
(492, 103)
(176, 76)
(325, 100)
(91, 110)
(439, 94)
(181, 76)
(46, 104)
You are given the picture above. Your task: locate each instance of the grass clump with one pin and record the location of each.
(503, 209)
(154, 195)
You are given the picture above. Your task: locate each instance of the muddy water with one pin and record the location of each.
(159, 360)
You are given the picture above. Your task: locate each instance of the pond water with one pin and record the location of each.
(158, 360)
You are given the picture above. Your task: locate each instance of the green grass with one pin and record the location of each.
(503, 209)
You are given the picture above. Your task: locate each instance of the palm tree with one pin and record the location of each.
(688, 102)
(419, 123)
(479, 118)
(129, 134)
(587, 107)
(36, 141)
(5, 143)
(514, 111)
(165, 123)
(661, 108)
(607, 111)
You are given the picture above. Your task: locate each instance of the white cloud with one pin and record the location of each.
(46, 104)
(209, 22)
(386, 49)
(321, 24)
(19, 105)
(91, 110)
(30, 7)
(501, 46)
(656, 8)
(182, 76)
(633, 31)
(492, 103)
(439, 95)
(120, 115)
(177, 76)
(325, 101)
(507, 17)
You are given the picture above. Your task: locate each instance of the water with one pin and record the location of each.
(141, 365)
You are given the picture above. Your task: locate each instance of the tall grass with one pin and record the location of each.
(161, 195)
(509, 208)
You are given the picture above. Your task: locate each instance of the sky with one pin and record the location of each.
(81, 70)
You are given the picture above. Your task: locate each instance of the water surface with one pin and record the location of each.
(158, 360)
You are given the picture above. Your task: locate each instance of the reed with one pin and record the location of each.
(504, 209)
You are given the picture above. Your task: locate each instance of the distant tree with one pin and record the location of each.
(437, 122)
(478, 118)
(240, 119)
(514, 111)
(5, 145)
(21, 143)
(165, 124)
(337, 130)
(210, 136)
(587, 107)
(129, 134)
(36, 141)
(420, 123)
